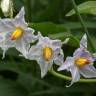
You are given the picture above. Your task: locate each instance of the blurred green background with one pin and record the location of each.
(21, 77)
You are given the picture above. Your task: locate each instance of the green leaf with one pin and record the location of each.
(55, 31)
(48, 29)
(88, 7)
(10, 88)
(77, 25)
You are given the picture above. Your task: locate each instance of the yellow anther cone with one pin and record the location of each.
(47, 53)
(82, 61)
(17, 33)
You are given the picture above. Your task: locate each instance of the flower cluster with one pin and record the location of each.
(16, 33)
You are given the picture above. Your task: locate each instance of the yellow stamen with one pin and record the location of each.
(47, 53)
(82, 61)
(17, 33)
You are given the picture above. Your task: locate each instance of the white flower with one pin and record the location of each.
(81, 63)
(16, 33)
(6, 6)
(45, 52)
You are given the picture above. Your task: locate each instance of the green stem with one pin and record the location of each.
(83, 25)
(69, 78)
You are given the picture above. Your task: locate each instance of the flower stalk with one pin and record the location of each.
(83, 25)
(53, 72)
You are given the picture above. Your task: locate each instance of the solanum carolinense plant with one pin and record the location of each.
(44, 43)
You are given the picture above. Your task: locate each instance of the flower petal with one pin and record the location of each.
(83, 54)
(5, 42)
(44, 66)
(57, 43)
(88, 71)
(6, 25)
(77, 52)
(34, 53)
(83, 42)
(44, 40)
(75, 75)
(59, 59)
(87, 55)
(21, 14)
(2, 37)
(29, 36)
(67, 64)
(19, 20)
(22, 47)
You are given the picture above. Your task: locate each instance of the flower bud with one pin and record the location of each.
(7, 7)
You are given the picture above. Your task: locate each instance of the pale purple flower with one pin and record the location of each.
(46, 52)
(16, 33)
(81, 63)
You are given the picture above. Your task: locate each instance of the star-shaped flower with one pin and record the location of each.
(46, 52)
(81, 63)
(16, 33)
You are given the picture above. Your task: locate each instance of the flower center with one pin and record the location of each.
(47, 53)
(82, 61)
(17, 33)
